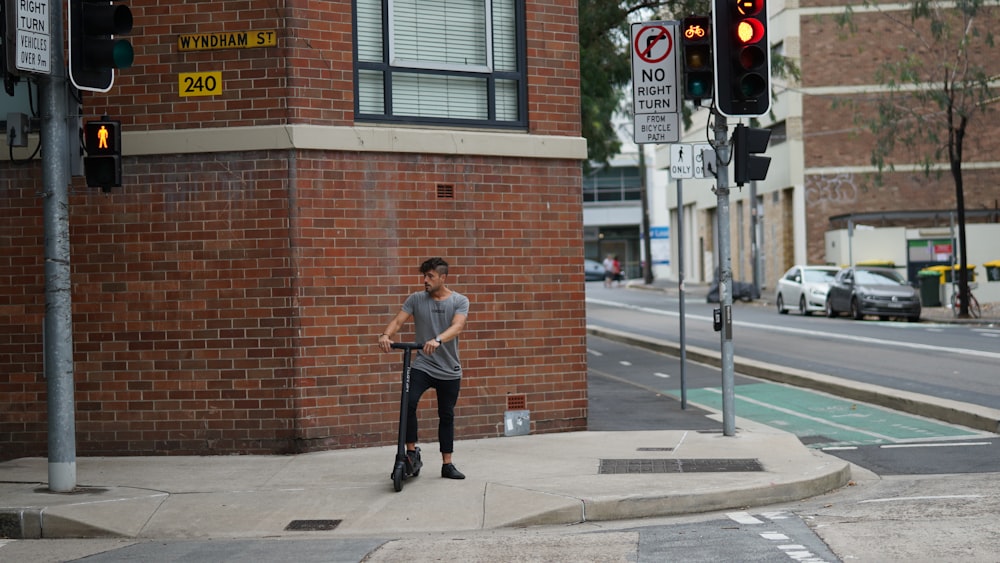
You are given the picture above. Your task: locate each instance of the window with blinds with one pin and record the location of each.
(448, 61)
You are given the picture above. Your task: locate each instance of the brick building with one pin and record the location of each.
(277, 202)
(821, 158)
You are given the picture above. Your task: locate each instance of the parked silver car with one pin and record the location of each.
(804, 288)
(864, 291)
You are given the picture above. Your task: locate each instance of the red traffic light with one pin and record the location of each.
(749, 31)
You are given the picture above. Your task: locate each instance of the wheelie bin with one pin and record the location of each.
(930, 288)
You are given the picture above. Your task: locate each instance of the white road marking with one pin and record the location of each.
(839, 448)
(775, 515)
(936, 445)
(743, 518)
(938, 497)
(594, 352)
(777, 536)
(804, 332)
(663, 375)
(625, 363)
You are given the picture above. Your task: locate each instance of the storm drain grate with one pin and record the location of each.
(654, 449)
(622, 466)
(311, 525)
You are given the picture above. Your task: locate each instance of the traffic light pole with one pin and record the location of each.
(722, 151)
(58, 329)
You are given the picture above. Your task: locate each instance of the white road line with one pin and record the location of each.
(743, 518)
(937, 497)
(594, 352)
(838, 448)
(804, 332)
(951, 445)
(663, 375)
(776, 536)
(625, 363)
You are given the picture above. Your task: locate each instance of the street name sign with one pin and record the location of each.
(655, 96)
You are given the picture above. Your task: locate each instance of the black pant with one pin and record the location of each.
(447, 396)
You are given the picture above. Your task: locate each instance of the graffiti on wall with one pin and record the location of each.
(832, 188)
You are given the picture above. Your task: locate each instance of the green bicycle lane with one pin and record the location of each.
(823, 421)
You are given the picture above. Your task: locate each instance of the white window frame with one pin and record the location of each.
(397, 61)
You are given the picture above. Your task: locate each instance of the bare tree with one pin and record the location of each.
(932, 91)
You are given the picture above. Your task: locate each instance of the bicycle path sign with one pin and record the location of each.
(655, 96)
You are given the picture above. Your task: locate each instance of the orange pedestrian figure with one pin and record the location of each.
(102, 137)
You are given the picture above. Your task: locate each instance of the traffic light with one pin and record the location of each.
(696, 42)
(94, 51)
(748, 142)
(742, 58)
(103, 164)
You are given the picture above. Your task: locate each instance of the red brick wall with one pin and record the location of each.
(308, 76)
(835, 135)
(230, 312)
(229, 302)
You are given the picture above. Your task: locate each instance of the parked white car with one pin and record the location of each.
(804, 288)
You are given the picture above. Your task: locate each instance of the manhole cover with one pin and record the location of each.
(311, 525)
(621, 466)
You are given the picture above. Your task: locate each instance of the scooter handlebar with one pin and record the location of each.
(406, 346)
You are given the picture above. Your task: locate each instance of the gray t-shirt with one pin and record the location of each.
(431, 318)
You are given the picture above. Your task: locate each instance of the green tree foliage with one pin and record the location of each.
(932, 89)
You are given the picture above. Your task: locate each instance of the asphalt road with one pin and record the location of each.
(956, 362)
(881, 440)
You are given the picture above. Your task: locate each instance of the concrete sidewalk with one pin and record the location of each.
(512, 481)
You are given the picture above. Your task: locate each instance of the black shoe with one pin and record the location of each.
(448, 471)
(413, 462)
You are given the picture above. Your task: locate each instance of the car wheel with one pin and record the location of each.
(856, 309)
(802, 307)
(829, 308)
(781, 306)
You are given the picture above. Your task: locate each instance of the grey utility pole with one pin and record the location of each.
(722, 149)
(58, 328)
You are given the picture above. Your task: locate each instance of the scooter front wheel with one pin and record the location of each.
(397, 477)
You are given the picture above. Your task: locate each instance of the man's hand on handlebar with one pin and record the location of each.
(430, 346)
(385, 343)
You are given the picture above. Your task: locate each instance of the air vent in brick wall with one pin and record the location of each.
(517, 402)
(445, 191)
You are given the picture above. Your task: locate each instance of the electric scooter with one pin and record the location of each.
(403, 468)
